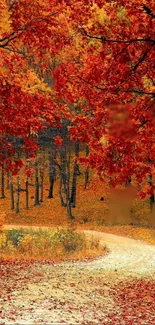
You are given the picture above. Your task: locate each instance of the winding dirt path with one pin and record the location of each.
(127, 256)
(80, 292)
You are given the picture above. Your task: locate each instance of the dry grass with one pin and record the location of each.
(139, 233)
(58, 245)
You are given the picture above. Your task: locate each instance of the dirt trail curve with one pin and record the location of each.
(82, 292)
(126, 256)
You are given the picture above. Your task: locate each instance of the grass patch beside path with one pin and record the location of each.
(41, 244)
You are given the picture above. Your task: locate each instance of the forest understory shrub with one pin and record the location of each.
(62, 243)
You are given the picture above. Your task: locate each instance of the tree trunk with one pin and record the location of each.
(128, 182)
(86, 170)
(63, 204)
(18, 194)
(51, 188)
(67, 187)
(52, 172)
(12, 194)
(2, 181)
(42, 184)
(75, 174)
(152, 199)
(36, 185)
(69, 209)
(7, 186)
(65, 174)
(27, 194)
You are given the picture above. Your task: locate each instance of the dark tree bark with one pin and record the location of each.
(75, 174)
(51, 188)
(7, 185)
(69, 209)
(18, 194)
(152, 199)
(12, 194)
(27, 193)
(42, 184)
(67, 188)
(36, 185)
(2, 181)
(86, 170)
(65, 156)
(63, 174)
(63, 204)
(52, 171)
(128, 182)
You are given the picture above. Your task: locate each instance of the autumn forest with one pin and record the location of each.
(77, 162)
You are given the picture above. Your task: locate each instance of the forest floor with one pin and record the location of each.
(118, 288)
(90, 212)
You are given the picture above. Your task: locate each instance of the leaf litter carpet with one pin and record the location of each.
(117, 289)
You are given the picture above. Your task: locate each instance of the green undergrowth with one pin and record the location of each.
(62, 243)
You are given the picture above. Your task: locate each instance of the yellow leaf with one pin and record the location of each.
(5, 21)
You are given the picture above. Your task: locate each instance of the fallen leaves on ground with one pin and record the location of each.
(45, 292)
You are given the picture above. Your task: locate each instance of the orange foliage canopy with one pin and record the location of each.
(104, 53)
(30, 34)
(112, 80)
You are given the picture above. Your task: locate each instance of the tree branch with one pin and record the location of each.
(15, 34)
(7, 42)
(142, 58)
(148, 11)
(104, 39)
(11, 37)
(12, 5)
(138, 91)
(142, 124)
